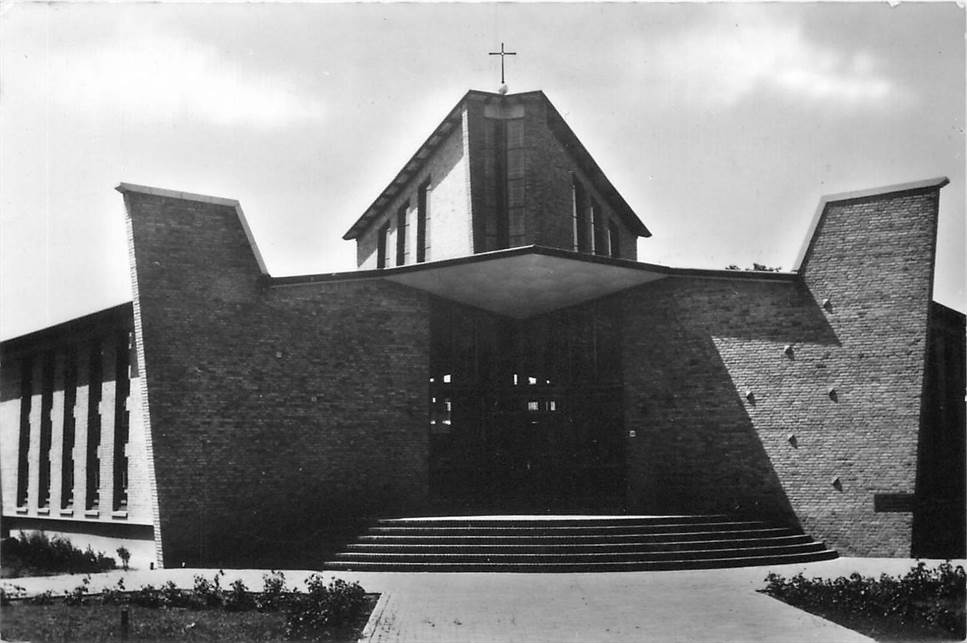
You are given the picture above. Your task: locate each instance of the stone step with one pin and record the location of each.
(569, 545)
(570, 567)
(551, 528)
(576, 557)
(556, 521)
(575, 543)
(542, 537)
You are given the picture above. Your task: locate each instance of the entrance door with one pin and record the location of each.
(531, 443)
(526, 417)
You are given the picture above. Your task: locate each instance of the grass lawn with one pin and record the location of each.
(60, 622)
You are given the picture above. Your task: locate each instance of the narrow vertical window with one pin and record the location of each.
(614, 240)
(381, 248)
(514, 178)
(23, 461)
(401, 235)
(46, 429)
(582, 241)
(93, 460)
(67, 453)
(122, 385)
(500, 184)
(422, 216)
(598, 230)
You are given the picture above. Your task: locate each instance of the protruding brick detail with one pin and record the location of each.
(274, 413)
(693, 347)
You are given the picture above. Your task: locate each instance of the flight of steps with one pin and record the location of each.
(575, 544)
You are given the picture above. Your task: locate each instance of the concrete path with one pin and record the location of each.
(708, 605)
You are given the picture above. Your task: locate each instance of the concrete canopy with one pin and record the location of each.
(526, 281)
(522, 285)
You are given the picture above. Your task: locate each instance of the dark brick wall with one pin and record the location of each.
(549, 190)
(548, 167)
(939, 521)
(829, 425)
(276, 414)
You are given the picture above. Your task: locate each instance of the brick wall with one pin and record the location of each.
(548, 167)
(448, 208)
(549, 191)
(939, 521)
(276, 414)
(831, 424)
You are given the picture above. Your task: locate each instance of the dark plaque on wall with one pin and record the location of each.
(893, 502)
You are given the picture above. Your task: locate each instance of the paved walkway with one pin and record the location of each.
(694, 606)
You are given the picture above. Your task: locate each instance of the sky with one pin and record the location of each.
(722, 125)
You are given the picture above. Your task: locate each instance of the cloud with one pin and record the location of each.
(718, 65)
(160, 77)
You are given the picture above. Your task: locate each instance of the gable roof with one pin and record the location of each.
(555, 123)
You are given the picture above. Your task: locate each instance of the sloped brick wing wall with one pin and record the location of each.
(277, 415)
(729, 419)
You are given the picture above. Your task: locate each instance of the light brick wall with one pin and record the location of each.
(448, 225)
(694, 347)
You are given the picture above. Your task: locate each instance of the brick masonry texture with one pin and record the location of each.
(843, 406)
(281, 414)
(548, 167)
(549, 190)
(274, 412)
(462, 209)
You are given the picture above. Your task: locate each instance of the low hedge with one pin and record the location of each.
(308, 614)
(932, 598)
(37, 554)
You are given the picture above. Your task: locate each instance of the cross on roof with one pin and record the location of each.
(502, 53)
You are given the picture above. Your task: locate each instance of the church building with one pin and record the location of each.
(501, 349)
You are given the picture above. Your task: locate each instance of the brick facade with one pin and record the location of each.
(730, 420)
(274, 412)
(269, 415)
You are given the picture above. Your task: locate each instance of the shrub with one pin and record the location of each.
(78, 595)
(930, 597)
(116, 595)
(171, 596)
(147, 596)
(208, 594)
(37, 553)
(322, 606)
(125, 557)
(46, 598)
(274, 592)
(8, 594)
(237, 598)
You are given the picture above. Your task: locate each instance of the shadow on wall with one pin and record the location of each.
(699, 449)
(939, 519)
